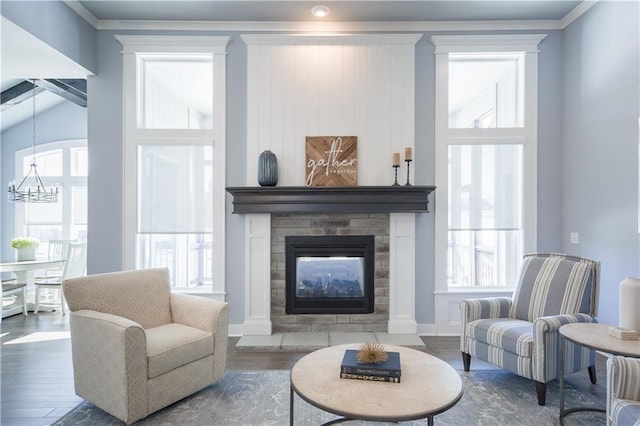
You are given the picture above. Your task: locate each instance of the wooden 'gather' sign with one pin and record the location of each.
(331, 161)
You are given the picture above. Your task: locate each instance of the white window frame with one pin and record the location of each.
(66, 181)
(134, 137)
(447, 299)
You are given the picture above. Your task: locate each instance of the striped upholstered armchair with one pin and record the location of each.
(520, 333)
(623, 391)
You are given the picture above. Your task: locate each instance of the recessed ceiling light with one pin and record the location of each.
(320, 11)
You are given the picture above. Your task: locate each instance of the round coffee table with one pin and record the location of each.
(428, 387)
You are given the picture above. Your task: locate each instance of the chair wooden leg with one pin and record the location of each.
(541, 390)
(466, 361)
(592, 374)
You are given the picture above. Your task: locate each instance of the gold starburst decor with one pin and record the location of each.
(372, 353)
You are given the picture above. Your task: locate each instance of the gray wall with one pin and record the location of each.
(105, 181)
(587, 170)
(62, 122)
(550, 106)
(600, 144)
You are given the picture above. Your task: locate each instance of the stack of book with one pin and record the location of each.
(623, 333)
(388, 371)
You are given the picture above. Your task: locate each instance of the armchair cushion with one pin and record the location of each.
(512, 335)
(170, 346)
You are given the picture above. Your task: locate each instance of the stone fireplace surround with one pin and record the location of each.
(283, 225)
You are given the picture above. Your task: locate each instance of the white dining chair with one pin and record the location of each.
(16, 290)
(57, 250)
(75, 266)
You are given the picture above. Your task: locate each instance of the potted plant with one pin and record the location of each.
(25, 248)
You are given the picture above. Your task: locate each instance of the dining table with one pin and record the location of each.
(25, 271)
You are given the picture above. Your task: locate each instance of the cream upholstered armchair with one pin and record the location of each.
(623, 391)
(520, 334)
(137, 347)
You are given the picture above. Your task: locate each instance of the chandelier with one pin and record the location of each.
(31, 194)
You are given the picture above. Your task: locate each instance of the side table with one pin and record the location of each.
(593, 336)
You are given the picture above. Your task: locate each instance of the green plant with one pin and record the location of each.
(24, 242)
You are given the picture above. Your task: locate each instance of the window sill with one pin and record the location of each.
(470, 290)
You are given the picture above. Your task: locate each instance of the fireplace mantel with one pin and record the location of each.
(353, 199)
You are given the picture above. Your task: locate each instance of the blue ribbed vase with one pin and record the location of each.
(267, 169)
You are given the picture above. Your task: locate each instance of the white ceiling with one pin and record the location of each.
(340, 11)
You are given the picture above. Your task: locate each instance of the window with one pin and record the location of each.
(175, 158)
(175, 91)
(486, 123)
(485, 211)
(62, 164)
(175, 211)
(485, 90)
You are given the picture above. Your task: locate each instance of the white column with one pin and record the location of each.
(257, 308)
(402, 276)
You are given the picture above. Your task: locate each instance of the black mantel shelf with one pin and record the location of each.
(350, 199)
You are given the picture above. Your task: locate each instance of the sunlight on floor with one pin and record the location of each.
(41, 336)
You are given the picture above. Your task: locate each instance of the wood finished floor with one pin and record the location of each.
(37, 375)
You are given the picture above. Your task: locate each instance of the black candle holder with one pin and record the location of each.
(408, 165)
(395, 172)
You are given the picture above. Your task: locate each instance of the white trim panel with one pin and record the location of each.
(184, 44)
(257, 290)
(402, 273)
(487, 43)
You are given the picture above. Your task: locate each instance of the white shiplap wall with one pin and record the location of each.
(334, 85)
(338, 85)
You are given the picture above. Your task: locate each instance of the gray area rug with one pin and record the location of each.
(491, 397)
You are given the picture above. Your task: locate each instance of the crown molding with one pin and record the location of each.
(579, 10)
(328, 27)
(83, 12)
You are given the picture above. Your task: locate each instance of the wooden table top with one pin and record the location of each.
(428, 386)
(596, 336)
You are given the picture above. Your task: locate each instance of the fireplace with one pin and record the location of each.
(329, 274)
